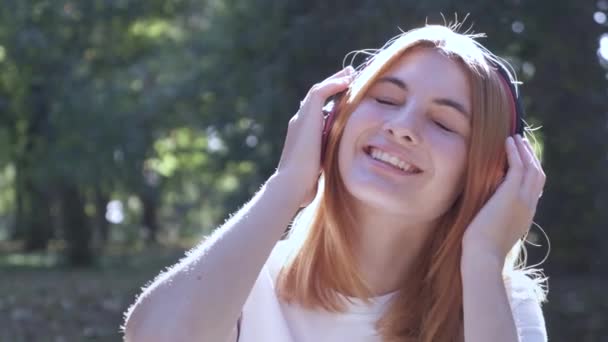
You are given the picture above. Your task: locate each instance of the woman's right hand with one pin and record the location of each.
(300, 160)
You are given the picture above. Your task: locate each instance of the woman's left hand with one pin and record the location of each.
(507, 215)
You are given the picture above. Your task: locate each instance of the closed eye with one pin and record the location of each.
(445, 128)
(385, 102)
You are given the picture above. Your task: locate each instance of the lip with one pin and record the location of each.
(388, 169)
(393, 151)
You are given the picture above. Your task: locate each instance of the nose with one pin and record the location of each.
(405, 125)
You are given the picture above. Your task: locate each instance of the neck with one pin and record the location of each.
(387, 247)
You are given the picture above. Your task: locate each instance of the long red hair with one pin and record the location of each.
(428, 306)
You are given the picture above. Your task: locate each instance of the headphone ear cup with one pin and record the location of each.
(518, 121)
(519, 111)
(330, 111)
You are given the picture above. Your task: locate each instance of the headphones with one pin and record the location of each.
(517, 122)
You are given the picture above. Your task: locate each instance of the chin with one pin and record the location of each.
(382, 197)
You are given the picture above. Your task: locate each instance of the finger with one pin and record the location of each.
(531, 176)
(514, 174)
(541, 177)
(349, 70)
(319, 93)
(539, 168)
(535, 159)
(528, 147)
(537, 162)
(530, 171)
(345, 72)
(526, 158)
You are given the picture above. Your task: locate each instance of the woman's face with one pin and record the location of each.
(404, 147)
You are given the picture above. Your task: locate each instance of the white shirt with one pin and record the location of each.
(266, 318)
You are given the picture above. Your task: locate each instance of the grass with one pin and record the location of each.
(40, 301)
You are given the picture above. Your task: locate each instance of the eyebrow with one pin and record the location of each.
(441, 101)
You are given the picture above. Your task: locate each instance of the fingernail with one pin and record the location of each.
(350, 69)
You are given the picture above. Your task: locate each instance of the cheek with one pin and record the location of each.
(451, 157)
(359, 121)
(345, 146)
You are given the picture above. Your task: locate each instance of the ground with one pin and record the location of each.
(60, 304)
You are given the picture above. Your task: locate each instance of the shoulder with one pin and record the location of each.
(264, 288)
(282, 252)
(263, 316)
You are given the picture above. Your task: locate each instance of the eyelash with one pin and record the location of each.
(443, 127)
(385, 102)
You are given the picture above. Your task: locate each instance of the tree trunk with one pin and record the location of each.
(37, 220)
(78, 232)
(150, 203)
(102, 225)
(33, 223)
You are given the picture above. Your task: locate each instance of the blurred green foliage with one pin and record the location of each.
(131, 121)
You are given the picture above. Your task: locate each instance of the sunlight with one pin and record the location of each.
(599, 17)
(155, 29)
(115, 212)
(603, 49)
(215, 143)
(518, 26)
(251, 141)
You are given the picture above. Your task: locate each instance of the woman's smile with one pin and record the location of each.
(387, 162)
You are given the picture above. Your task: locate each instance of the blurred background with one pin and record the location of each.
(129, 129)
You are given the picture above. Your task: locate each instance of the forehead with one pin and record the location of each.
(430, 71)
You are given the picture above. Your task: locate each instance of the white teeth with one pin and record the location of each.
(390, 159)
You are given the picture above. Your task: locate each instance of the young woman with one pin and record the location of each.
(427, 190)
